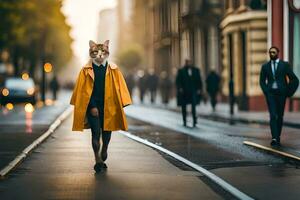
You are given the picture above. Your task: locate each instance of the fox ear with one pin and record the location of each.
(106, 43)
(92, 43)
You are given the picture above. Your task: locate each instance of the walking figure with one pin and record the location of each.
(99, 96)
(152, 84)
(54, 85)
(212, 88)
(165, 86)
(277, 81)
(142, 84)
(189, 89)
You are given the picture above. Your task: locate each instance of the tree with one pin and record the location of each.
(130, 57)
(33, 32)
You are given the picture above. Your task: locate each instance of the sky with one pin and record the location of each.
(83, 17)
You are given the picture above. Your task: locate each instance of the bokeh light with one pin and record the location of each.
(48, 67)
(25, 76)
(5, 92)
(30, 91)
(9, 106)
(49, 102)
(29, 108)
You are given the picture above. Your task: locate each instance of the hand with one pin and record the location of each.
(94, 112)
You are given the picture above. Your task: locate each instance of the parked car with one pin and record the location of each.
(17, 90)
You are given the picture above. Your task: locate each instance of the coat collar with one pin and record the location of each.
(89, 68)
(90, 62)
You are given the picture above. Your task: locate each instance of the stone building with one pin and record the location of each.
(174, 30)
(244, 49)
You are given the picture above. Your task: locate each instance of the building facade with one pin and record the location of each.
(284, 32)
(176, 30)
(244, 50)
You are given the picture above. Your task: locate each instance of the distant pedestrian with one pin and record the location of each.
(54, 86)
(130, 80)
(277, 81)
(189, 89)
(165, 86)
(152, 84)
(142, 85)
(99, 95)
(212, 87)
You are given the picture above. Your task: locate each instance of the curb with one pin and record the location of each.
(277, 152)
(226, 186)
(18, 160)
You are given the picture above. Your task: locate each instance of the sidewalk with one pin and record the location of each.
(291, 119)
(62, 168)
(259, 135)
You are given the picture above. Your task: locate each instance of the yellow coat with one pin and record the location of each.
(115, 98)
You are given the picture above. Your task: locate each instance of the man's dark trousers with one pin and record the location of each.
(193, 101)
(276, 104)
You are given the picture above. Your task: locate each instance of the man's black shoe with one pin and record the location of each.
(273, 142)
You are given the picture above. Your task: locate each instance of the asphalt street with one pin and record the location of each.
(219, 147)
(62, 166)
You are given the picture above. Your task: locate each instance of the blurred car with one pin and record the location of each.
(18, 90)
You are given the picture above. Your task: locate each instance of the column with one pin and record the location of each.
(277, 25)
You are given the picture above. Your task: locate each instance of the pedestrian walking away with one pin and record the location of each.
(277, 81)
(142, 84)
(54, 85)
(189, 89)
(99, 95)
(165, 87)
(152, 84)
(212, 88)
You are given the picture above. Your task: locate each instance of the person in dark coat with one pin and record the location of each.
(54, 85)
(212, 87)
(130, 80)
(152, 84)
(142, 84)
(189, 89)
(165, 85)
(277, 81)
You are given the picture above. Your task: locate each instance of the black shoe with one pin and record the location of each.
(98, 167)
(104, 166)
(273, 142)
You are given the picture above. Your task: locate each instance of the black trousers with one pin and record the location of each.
(276, 104)
(193, 101)
(96, 124)
(213, 100)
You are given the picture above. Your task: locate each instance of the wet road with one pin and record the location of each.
(62, 168)
(218, 147)
(18, 128)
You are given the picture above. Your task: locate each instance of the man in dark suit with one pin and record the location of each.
(189, 88)
(277, 81)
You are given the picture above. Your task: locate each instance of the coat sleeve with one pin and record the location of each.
(125, 96)
(262, 80)
(76, 88)
(293, 81)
